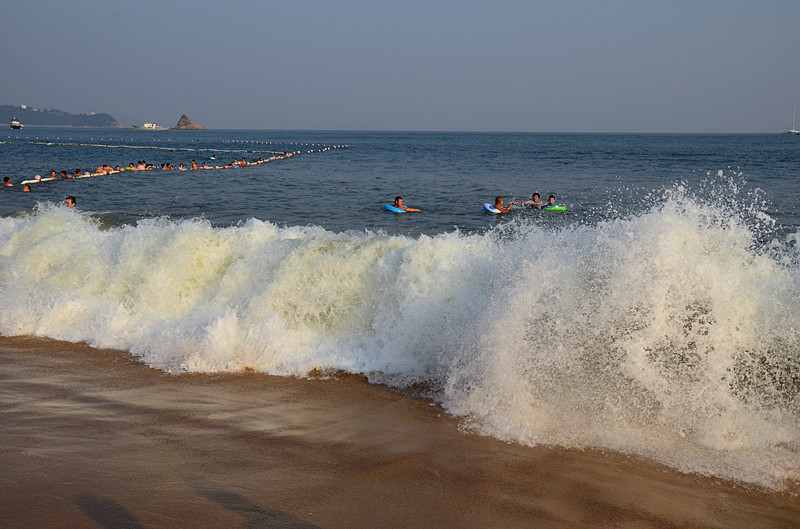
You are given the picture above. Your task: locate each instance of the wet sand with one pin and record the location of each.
(91, 438)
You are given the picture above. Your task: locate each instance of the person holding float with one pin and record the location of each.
(498, 206)
(535, 202)
(552, 205)
(399, 207)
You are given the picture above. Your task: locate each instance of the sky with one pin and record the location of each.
(500, 65)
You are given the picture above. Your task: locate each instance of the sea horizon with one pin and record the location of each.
(423, 131)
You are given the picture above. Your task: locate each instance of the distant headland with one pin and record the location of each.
(37, 117)
(54, 118)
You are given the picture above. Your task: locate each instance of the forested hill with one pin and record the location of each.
(52, 117)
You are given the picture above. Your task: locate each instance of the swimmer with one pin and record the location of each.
(498, 204)
(398, 203)
(70, 202)
(7, 182)
(26, 188)
(551, 201)
(536, 202)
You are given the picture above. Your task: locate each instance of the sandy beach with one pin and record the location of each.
(92, 438)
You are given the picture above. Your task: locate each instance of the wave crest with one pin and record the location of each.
(672, 333)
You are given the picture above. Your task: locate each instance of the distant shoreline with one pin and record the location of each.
(26, 126)
(489, 132)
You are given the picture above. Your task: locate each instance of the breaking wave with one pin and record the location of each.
(673, 334)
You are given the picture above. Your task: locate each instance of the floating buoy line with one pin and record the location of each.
(70, 142)
(237, 146)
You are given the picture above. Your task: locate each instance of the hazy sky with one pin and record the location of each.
(551, 66)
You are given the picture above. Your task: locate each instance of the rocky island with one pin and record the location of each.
(185, 124)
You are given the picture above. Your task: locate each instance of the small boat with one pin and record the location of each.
(794, 130)
(150, 126)
(15, 124)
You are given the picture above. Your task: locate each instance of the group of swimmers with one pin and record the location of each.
(194, 166)
(70, 201)
(7, 183)
(140, 166)
(534, 203)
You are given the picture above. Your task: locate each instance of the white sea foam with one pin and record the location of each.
(666, 335)
(673, 334)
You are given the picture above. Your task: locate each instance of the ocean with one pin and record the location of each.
(659, 316)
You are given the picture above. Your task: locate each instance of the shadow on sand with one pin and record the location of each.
(107, 513)
(257, 518)
(112, 515)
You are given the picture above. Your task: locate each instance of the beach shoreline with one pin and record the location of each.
(94, 438)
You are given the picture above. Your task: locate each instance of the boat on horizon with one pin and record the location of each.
(15, 124)
(794, 130)
(150, 126)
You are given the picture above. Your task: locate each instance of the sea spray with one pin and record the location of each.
(671, 333)
(665, 334)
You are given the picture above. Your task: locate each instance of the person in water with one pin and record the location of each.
(535, 202)
(498, 205)
(398, 203)
(551, 201)
(70, 202)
